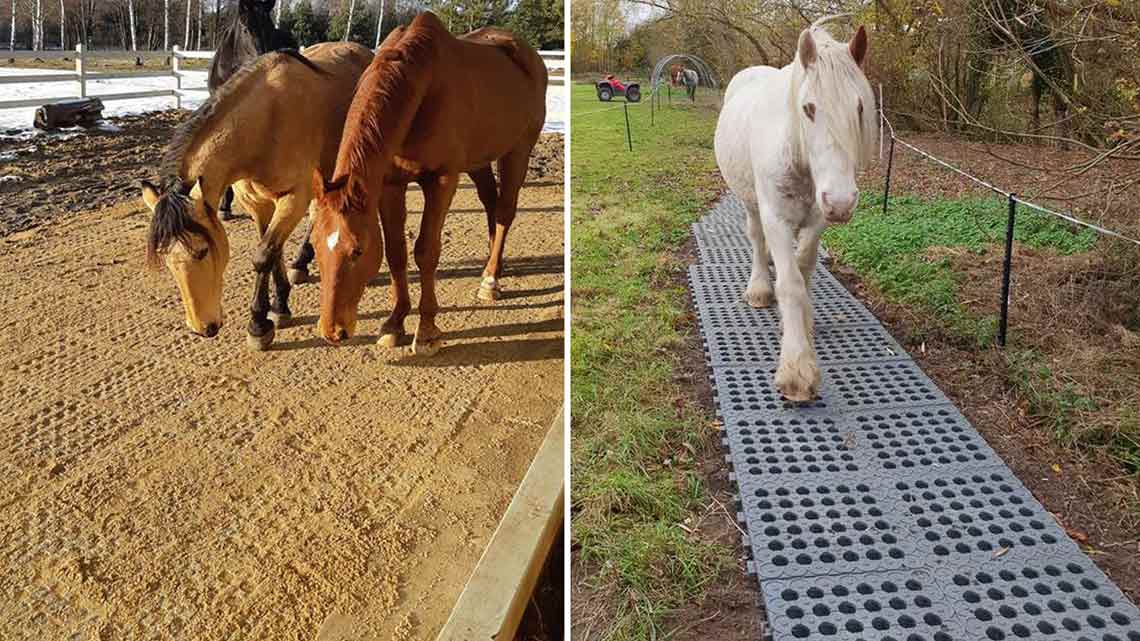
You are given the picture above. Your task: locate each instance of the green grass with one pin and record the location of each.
(635, 435)
(890, 251)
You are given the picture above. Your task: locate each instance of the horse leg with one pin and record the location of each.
(393, 216)
(438, 192)
(299, 268)
(259, 334)
(512, 173)
(807, 250)
(227, 207)
(797, 377)
(484, 180)
(268, 259)
(759, 290)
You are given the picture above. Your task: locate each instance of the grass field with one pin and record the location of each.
(636, 433)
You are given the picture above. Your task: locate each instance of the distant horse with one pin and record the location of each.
(249, 33)
(690, 79)
(788, 143)
(429, 107)
(266, 131)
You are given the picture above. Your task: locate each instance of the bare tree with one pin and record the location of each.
(131, 24)
(379, 24)
(62, 25)
(165, 24)
(38, 26)
(12, 35)
(348, 27)
(186, 38)
(199, 45)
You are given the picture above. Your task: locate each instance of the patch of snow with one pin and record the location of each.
(10, 179)
(16, 124)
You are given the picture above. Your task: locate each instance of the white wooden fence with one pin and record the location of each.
(555, 63)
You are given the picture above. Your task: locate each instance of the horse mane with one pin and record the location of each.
(387, 98)
(840, 84)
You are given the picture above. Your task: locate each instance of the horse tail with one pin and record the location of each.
(300, 57)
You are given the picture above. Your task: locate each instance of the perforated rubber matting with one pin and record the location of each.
(876, 511)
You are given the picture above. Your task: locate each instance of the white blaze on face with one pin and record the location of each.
(333, 239)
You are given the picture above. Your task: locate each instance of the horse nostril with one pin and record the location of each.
(342, 334)
(211, 330)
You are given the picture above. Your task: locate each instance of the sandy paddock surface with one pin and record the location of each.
(158, 485)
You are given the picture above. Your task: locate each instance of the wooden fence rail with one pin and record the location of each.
(555, 63)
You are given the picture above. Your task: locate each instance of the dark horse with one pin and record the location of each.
(249, 33)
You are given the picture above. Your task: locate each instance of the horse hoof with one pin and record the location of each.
(426, 348)
(298, 276)
(490, 294)
(389, 340)
(259, 343)
(280, 320)
(798, 381)
(758, 296)
(489, 290)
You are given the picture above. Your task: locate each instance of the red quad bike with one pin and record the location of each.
(611, 87)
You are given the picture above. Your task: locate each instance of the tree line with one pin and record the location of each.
(1065, 72)
(194, 24)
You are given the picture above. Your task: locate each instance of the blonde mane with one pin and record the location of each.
(839, 84)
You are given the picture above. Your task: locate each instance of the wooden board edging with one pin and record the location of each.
(492, 603)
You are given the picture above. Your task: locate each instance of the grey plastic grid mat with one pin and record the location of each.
(876, 511)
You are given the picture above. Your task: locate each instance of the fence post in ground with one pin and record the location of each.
(890, 165)
(176, 68)
(652, 120)
(1003, 323)
(628, 136)
(81, 70)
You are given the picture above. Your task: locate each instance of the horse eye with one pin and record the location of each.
(860, 107)
(199, 254)
(809, 111)
(357, 252)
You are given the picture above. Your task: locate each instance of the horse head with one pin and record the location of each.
(835, 108)
(347, 241)
(187, 234)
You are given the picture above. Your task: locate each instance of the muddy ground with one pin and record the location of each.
(158, 485)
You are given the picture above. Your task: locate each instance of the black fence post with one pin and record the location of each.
(628, 136)
(1007, 265)
(890, 165)
(652, 120)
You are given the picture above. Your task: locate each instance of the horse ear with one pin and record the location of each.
(806, 49)
(318, 185)
(150, 194)
(858, 46)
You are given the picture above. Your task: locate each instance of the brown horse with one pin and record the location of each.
(265, 131)
(429, 107)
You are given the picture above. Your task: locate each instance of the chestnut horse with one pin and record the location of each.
(265, 131)
(429, 107)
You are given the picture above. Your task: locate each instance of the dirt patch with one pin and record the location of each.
(155, 483)
(59, 174)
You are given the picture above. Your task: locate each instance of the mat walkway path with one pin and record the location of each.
(877, 511)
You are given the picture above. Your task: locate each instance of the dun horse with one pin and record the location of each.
(429, 107)
(273, 124)
(788, 143)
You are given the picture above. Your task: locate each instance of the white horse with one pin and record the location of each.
(788, 143)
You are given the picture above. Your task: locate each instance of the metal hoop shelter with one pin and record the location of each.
(707, 76)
